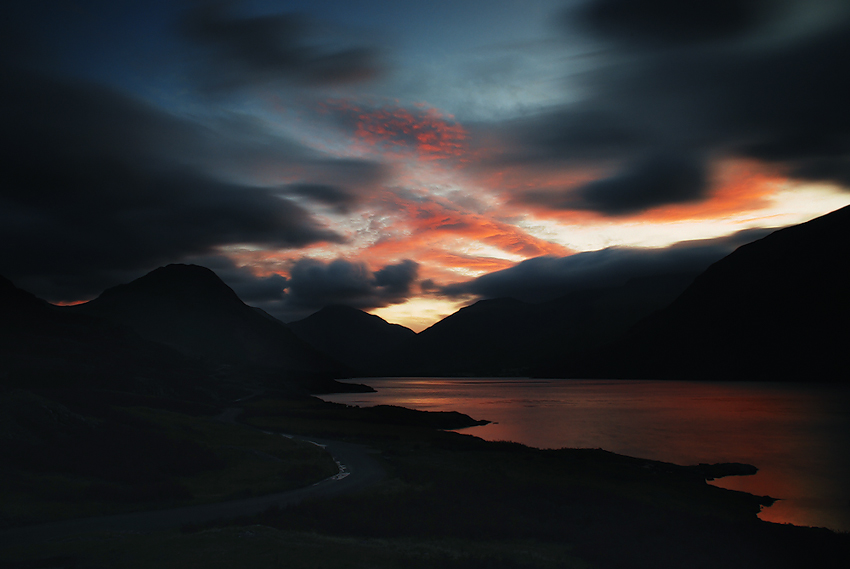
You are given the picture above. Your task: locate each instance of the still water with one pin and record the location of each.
(798, 435)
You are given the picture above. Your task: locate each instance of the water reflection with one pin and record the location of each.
(798, 435)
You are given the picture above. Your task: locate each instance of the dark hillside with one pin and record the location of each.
(507, 337)
(190, 309)
(357, 339)
(481, 339)
(776, 308)
(42, 345)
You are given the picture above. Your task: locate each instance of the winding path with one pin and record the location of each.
(358, 470)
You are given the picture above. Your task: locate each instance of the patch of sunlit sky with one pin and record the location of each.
(419, 313)
(787, 207)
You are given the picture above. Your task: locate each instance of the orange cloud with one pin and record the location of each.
(473, 263)
(424, 132)
(70, 302)
(446, 239)
(738, 186)
(435, 218)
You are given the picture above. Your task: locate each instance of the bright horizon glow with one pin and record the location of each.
(786, 207)
(419, 313)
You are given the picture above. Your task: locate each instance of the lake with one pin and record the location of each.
(798, 435)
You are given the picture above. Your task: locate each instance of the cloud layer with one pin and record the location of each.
(547, 278)
(298, 154)
(99, 181)
(735, 79)
(314, 284)
(271, 48)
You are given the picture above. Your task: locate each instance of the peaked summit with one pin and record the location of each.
(191, 309)
(356, 338)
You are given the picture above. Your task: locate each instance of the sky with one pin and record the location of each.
(405, 158)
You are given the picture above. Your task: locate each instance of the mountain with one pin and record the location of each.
(482, 339)
(188, 308)
(44, 346)
(508, 337)
(774, 309)
(19, 305)
(357, 339)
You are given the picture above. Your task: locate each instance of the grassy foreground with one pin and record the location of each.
(452, 500)
(86, 453)
(264, 547)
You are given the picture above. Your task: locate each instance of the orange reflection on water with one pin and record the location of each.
(797, 435)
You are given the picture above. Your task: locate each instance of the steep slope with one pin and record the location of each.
(42, 345)
(19, 305)
(588, 319)
(507, 337)
(777, 308)
(190, 309)
(482, 339)
(357, 339)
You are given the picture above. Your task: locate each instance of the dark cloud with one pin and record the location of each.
(267, 292)
(546, 278)
(672, 21)
(314, 284)
(97, 184)
(341, 185)
(835, 169)
(258, 291)
(337, 197)
(99, 187)
(731, 79)
(338, 184)
(265, 49)
(578, 134)
(78, 217)
(657, 180)
(82, 119)
(395, 281)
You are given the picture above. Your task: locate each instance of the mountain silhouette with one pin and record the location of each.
(481, 339)
(508, 337)
(189, 308)
(774, 309)
(45, 346)
(18, 304)
(356, 338)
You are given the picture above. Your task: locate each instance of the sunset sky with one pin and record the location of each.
(410, 158)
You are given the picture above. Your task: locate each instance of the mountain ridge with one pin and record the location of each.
(45, 346)
(775, 308)
(510, 337)
(191, 309)
(353, 336)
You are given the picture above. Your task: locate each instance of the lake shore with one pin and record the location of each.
(459, 501)
(796, 434)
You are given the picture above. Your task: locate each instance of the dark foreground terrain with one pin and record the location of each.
(445, 499)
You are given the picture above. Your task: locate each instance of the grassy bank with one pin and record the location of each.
(264, 547)
(452, 500)
(70, 455)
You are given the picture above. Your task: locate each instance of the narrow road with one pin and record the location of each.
(358, 470)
